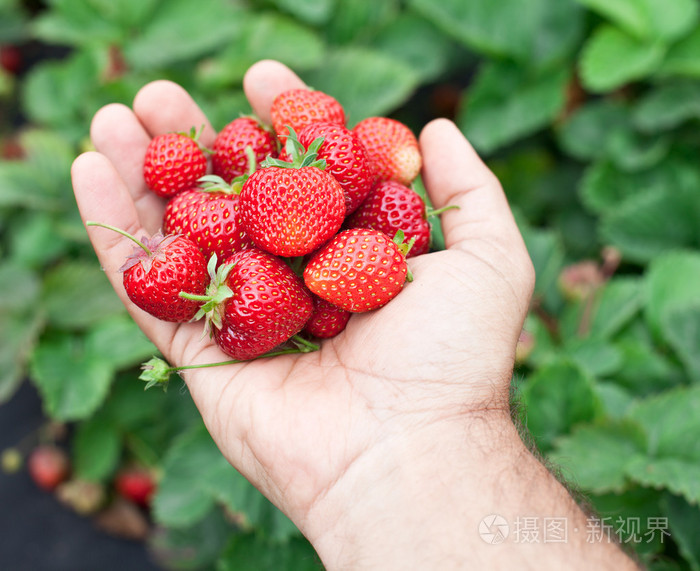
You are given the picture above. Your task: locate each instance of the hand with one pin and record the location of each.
(338, 438)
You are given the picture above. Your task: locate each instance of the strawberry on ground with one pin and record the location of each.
(48, 466)
(159, 269)
(297, 108)
(230, 158)
(327, 320)
(173, 162)
(392, 148)
(346, 159)
(209, 216)
(358, 270)
(135, 484)
(391, 207)
(254, 303)
(290, 209)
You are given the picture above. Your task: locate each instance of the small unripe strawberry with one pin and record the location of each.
(48, 466)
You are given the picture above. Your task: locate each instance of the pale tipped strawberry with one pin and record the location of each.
(230, 157)
(291, 208)
(173, 162)
(358, 270)
(392, 148)
(254, 303)
(48, 466)
(297, 108)
(346, 159)
(391, 207)
(327, 320)
(158, 270)
(209, 216)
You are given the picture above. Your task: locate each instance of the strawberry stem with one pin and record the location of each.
(122, 232)
(437, 212)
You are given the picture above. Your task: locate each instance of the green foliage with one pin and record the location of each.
(588, 112)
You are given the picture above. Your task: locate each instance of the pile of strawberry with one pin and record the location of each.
(298, 225)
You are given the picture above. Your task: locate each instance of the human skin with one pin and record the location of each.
(391, 443)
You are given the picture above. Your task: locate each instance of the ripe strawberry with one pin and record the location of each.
(390, 207)
(209, 216)
(48, 466)
(392, 148)
(297, 108)
(358, 270)
(135, 484)
(290, 209)
(346, 159)
(174, 162)
(327, 320)
(255, 303)
(159, 269)
(230, 158)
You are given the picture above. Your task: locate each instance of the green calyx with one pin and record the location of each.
(217, 293)
(404, 247)
(300, 156)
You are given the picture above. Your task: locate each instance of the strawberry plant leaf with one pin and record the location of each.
(677, 475)
(670, 284)
(251, 552)
(507, 102)
(612, 58)
(366, 82)
(557, 397)
(353, 23)
(668, 106)
(77, 294)
(96, 449)
(595, 456)
(616, 305)
(681, 329)
(547, 253)
(72, 384)
(19, 333)
(597, 357)
(119, 341)
(683, 58)
(310, 11)
(684, 521)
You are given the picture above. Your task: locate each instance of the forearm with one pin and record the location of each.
(429, 507)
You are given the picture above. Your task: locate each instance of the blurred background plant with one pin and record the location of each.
(588, 112)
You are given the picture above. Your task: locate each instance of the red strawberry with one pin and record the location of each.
(135, 484)
(174, 162)
(392, 148)
(230, 158)
(346, 159)
(327, 320)
(358, 270)
(210, 217)
(290, 209)
(159, 269)
(48, 466)
(390, 207)
(297, 108)
(255, 304)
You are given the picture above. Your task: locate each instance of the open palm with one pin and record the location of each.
(311, 429)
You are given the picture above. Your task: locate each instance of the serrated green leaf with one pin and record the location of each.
(668, 106)
(19, 333)
(586, 132)
(366, 82)
(677, 475)
(596, 456)
(616, 305)
(507, 102)
(667, 20)
(597, 357)
(532, 30)
(251, 552)
(354, 23)
(72, 384)
(684, 522)
(96, 449)
(77, 23)
(77, 294)
(683, 58)
(118, 341)
(616, 399)
(175, 32)
(671, 283)
(19, 287)
(651, 223)
(611, 58)
(557, 397)
(310, 11)
(416, 42)
(681, 328)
